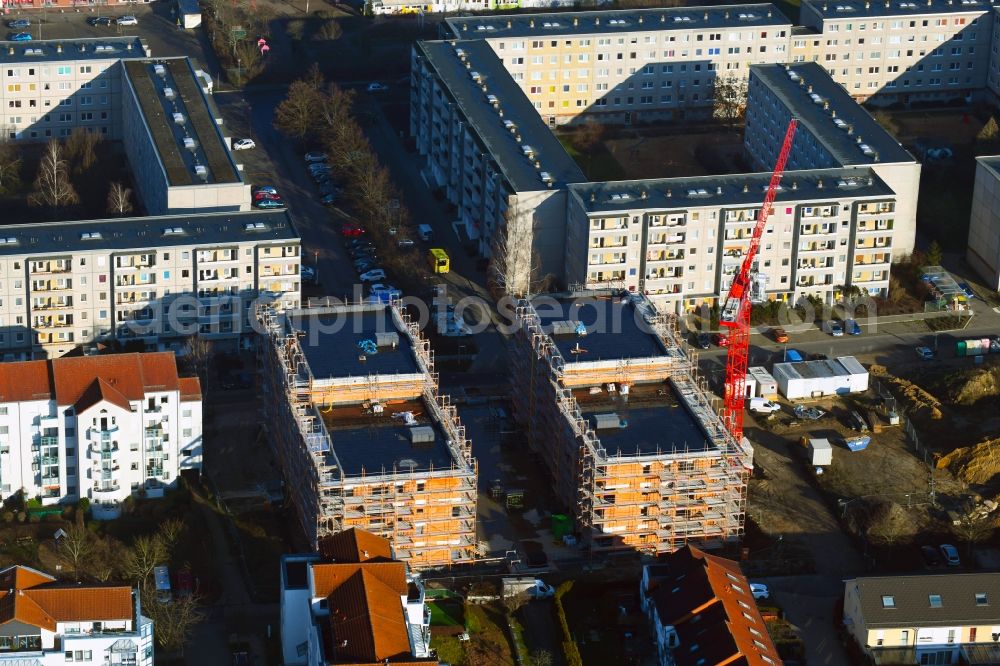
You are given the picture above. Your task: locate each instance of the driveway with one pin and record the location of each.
(809, 603)
(540, 631)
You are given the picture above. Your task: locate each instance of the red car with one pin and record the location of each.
(259, 196)
(722, 339)
(351, 230)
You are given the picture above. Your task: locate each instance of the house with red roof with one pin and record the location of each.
(100, 427)
(352, 604)
(44, 622)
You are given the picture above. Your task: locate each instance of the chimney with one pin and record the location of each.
(593, 197)
(727, 15)
(670, 193)
(833, 114)
(819, 183)
(128, 47)
(58, 48)
(718, 190)
(576, 21)
(531, 23)
(509, 24)
(809, 89)
(640, 18)
(538, 165)
(597, 21)
(644, 194)
(850, 130)
(706, 16)
(795, 184)
(768, 13)
(871, 181)
(868, 5)
(465, 26)
(746, 188)
(663, 18)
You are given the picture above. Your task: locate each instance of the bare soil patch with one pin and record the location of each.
(676, 155)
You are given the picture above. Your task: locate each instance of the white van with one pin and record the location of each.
(763, 406)
(425, 232)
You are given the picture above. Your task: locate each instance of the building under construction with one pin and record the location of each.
(615, 408)
(363, 437)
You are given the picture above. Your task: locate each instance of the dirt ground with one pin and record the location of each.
(671, 156)
(952, 125)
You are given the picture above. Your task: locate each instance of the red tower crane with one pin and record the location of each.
(736, 311)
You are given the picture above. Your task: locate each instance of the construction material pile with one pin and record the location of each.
(976, 465)
(920, 404)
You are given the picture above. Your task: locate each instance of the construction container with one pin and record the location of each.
(820, 452)
(857, 443)
(561, 525)
(765, 385)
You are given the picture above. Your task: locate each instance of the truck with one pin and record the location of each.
(534, 588)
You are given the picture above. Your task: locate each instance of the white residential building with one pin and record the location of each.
(983, 251)
(45, 622)
(100, 427)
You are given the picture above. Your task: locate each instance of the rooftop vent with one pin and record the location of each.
(169, 93)
(178, 118)
(460, 53)
(509, 125)
(609, 421)
(190, 143)
(254, 226)
(620, 196)
(866, 149)
(528, 151)
(565, 327)
(90, 235)
(387, 339)
(10, 240)
(700, 192)
(201, 171)
(421, 434)
(546, 177)
(160, 71)
(492, 99)
(173, 231)
(33, 51)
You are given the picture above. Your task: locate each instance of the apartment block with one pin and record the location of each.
(490, 153)
(899, 51)
(363, 437)
(629, 65)
(680, 241)
(48, 88)
(616, 410)
(152, 279)
(924, 619)
(441, 6)
(50, 623)
(983, 252)
(702, 611)
(833, 132)
(179, 157)
(353, 604)
(97, 427)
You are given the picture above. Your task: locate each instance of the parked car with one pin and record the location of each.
(404, 242)
(319, 167)
(328, 188)
(925, 353)
(19, 24)
(931, 555)
(759, 591)
(763, 406)
(266, 188)
(351, 230)
(99, 20)
(20, 37)
(381, 293)
(269, 203)
(540, 590)
(833, 328)
(316, 157)
(358, 242)
(307, 272)
(852, 327)
(328, 199)
(373, 275)
(793, 356)
(262, 196)
(950, 554)
(704, 340)
(780, 335)
(128, 19)
(364, 264)
(721, 339)
(244, 144)
(375, 87)
(966, 289)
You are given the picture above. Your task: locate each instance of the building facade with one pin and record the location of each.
(983, 252)
(46, 622)
(363, 437)
(616, 411)
(353, 604)
(156, 280)
(630, 66)
(923, 619)
(97, 427)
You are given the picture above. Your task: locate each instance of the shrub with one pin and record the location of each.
(8, 516)
(21, 516)
(570, 649)
(83, 505)
(34, 519)
(53, 518)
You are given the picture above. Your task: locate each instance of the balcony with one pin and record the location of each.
(49, 285)
(106, 488)
(44, 267)
(52, 303)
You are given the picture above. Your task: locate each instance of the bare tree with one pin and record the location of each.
(541, 658)
(335, 110)
(730, 95)
(119, 199)
(295, 116)
(199, 354)
(887, 523)
(511, 262)
(974, 526)
(76, 547)
(52, 185)
(588, 138)
(106, 560)
(10, 167)
(173, 619)
(81, 150)
(147, 552)
(513, 602)
(170, 532)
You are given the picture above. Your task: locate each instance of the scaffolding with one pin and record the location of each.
(428, 512)
(654, 502)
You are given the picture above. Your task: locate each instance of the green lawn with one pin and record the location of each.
(599, 165)
(449, 649)
(446, 613)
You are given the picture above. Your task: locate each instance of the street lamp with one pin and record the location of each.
(316, 267)
(239, 71)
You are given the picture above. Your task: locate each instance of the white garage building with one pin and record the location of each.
(815, 379)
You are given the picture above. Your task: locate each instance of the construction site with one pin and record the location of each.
(362, 435)
(616, 410)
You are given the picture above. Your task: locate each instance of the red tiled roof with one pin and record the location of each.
(367, 620)
(707, 600)
(327, 577)
(34, 598)
(100, 390)
(190, 388)
(355, 545)
(69, 378)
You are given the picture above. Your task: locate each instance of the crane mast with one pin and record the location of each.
(736, 310)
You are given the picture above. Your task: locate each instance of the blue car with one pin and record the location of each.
(20, 37)
(966, 289)
(852, 327)
(19, 24)
(269, 203)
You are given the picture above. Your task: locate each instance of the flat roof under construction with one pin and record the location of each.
(371, 443)
(338, 343)
(842, 366)
(648, 422)
(615, 329)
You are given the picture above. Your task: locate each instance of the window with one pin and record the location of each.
(888, 601)
(64, 70)
(982, 599)
(934, 600)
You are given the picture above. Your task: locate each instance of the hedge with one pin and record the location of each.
(570, 649)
